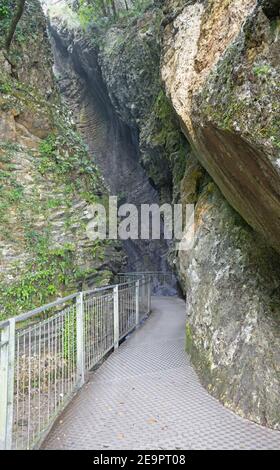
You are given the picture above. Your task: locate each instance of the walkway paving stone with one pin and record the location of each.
(147, 396)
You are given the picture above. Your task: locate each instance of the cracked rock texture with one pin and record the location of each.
(101, 93)
(47, 183)
(220, 67)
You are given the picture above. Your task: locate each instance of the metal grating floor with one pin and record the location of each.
(147, 396)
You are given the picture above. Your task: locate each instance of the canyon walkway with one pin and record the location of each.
(146, 395)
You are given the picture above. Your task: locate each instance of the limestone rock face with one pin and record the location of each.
(129, 58)
(220, 65)
(98, 77)
(47, 183)
(221, 72)
(231, 278)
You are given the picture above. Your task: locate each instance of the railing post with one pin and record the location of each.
(137, 303)
(116, 317)
(7, 367)
(149, 295)
(80, 339)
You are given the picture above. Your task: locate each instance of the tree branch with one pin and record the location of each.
(17, 16)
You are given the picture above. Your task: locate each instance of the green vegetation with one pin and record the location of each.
(17, 12)
(19, 22)
(167, 134)
(5, 9)
(70, 338)
(63, 153)
(46, 274)
(49, 270)
(11, 12)
(100, 13)
(261, 70)
(189, 340)
(45, 260)
(5, 88)
(107, 12)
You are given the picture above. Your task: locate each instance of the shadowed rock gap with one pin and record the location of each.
(113, 144)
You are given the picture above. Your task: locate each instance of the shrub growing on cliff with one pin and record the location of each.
(94, 10)
(108, 11)
(18, 12)
(168, 135)
(5, 9)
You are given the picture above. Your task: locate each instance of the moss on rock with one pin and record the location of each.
(47, 183)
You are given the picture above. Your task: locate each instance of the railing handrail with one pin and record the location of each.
(31, 313)
(45, 361)
(61, 300)
(110, 286)
(145, 272)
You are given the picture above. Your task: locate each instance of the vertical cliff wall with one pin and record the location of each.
(221, 72)
(47, 182)
(112, 139)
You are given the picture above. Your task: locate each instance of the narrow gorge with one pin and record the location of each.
(112, 142)
(164, 102)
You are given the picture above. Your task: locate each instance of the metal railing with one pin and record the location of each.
(158, 279)
(46, 354)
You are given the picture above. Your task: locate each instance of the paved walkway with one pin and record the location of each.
(147, 396)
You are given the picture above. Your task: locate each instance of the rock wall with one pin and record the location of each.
(220, 71)
(47, 183)
(129, 57)
(99, 96)
(231, 278)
